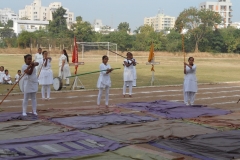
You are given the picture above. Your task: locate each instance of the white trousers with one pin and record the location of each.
(100, 95)
(189, 96)
(129, 84)
(44, 89)
(32, 96)
(135, 82)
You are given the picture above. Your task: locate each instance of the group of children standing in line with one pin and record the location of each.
(42, 67)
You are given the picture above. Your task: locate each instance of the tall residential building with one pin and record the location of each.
(37, 12)
(223, 7)
(100, 28)
(160, 22)
(7, 14)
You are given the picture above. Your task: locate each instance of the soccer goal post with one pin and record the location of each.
(100, 46)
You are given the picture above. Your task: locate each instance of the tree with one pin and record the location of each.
(58, 26)
(197, 22)
(124, 26)
(24, 39)
(83, 30)
(9, 23)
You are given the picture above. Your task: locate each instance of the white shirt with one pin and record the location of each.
(61, 59)
(104, 79)
(6, 77)
(128, 74)
(1, 76)
(38, 58)
(190, 79)
(17, 77)
(30, 82)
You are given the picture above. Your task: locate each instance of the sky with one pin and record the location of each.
(113, 12)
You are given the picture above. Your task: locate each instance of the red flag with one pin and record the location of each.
(75, 55)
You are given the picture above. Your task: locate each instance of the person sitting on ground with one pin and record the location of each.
(1, 74)
(18, 75)
(7, 78)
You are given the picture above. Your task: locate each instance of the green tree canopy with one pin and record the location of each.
(197, 22)
(124, 26)
(58, 25)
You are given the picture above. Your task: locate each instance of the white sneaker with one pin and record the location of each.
(35, 113)
(186, 104)
(24, 114)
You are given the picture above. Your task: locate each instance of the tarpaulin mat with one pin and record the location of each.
(97, 121)
(145, 132)
(217, 146)
(20, 129)
(61, 145)
(174, 110)
(133, 152)
(223, 122)
(11, 116)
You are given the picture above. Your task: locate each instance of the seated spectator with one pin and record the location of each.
(7, 78)
(18, 75)
(1, 74)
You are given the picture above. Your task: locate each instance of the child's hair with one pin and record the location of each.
(129, 53)
(19, 71)
(44, 52)
(26, 56)
(65, 53)
(190, 58)
(39, 48)
(104, 57)
(6, 70)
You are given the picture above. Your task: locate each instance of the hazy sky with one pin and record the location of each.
(112, 12)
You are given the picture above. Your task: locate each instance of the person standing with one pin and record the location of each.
(30, 84)
(104, 81)
(46, 76)
(128, 74)
(38, 58)
(190, 82)
(64, 69)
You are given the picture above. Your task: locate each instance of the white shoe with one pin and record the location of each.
(24, 114)
(35, 113)
(186, 104)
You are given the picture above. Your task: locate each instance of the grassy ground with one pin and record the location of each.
(169, 72)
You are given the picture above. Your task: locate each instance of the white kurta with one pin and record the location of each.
(190, 80)
(46, 74)
(6, 78)
(104, 79)
(66, 70)
(38, 58)
(17, 76)
(1, 76)
(30, 82)
(128, 74)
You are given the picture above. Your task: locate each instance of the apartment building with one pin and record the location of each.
(223, 7)
(160, 22)
(37, 12)
(7, 14)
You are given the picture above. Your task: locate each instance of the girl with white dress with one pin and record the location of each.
(190, 82)
(38, 58)
(46, 76)
(17, 76)
(30, 84)
(104, 80)
(128, 74)
(64, 70)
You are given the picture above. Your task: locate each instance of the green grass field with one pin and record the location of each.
(169, 72)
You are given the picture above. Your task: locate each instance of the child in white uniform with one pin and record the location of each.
(46, 76)
(128, 74)
(190, 82)
(17, 76)
(1, 74)
(104, 80)
(64, 70)
(30, 84)
(7, 78)
(38, 58)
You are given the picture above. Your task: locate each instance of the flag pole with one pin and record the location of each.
(183, 48)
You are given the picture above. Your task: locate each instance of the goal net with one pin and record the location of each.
(95, 49)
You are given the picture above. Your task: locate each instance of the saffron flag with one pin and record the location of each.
(75, 55)
(151, 56)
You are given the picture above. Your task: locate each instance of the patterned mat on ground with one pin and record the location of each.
(21, 129)
(145, 132)
(223, 122)
(174, 110)
(11, 116)
(217, 146)
(97, 121)
(133, 152)
(61, 145)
